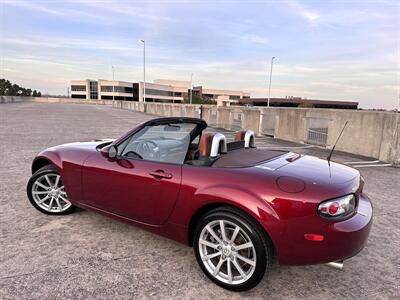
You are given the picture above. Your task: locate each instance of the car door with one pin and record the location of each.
(142, 183)
(140, 190)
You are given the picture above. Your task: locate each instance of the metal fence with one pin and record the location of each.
(317, 131)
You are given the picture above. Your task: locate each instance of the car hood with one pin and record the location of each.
(81, 145)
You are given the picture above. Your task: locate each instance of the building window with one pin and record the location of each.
(93, 88)
(78, 88)
(123, 89)
(210, 96)
(79, 96)
(161, 93)
(106, 88)
(117, 89)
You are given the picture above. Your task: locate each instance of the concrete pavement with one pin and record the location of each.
(89, 256)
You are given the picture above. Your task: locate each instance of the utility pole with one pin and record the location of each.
(144, 69)
(270, 79)
(112, 68)
(191, 88)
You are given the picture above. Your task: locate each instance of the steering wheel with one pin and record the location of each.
(134, 154)
(151, 149)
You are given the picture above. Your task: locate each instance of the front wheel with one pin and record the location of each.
(231, 249)
(46, 192)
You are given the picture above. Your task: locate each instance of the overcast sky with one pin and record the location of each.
(342, 50)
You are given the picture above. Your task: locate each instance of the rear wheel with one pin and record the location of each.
(46, 192)
(231, 249)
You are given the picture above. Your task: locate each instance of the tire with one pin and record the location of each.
(47, 194)
(251, 249)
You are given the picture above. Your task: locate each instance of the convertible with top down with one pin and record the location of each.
(238, 206)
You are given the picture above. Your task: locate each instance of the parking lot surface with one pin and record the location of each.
(88, 256)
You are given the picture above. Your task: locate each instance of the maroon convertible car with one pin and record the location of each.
(238, 206)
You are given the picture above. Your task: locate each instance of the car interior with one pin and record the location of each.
(213, 145)
(213, 150)
(179, 142)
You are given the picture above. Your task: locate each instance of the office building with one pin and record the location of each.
(161, 90)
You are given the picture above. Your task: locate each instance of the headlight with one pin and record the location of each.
(338, 208)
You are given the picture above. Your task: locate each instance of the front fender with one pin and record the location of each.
(45, 158)
(69, 168)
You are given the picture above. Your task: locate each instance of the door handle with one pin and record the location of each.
(160, 174)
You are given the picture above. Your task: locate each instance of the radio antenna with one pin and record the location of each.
(333, 148)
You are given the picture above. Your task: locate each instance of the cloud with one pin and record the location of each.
(58, 11)
(75, 43)
(310, 15)
(129, 9)
(336, 15)
(395, 88)
(102, 12)
(325, 49)
(255, 38)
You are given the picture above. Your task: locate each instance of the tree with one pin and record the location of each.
(9, 89)
(306, 105)
(196, 99)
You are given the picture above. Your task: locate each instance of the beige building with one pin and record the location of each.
(164, 91)
(161, 90)
(175, 83)
(104, 89)
(225, 101)
(229, 96)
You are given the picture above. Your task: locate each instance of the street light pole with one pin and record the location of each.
(191, 88)
(270, 79)
(144, 69)
(112, 68)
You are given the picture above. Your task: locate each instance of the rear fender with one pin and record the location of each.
(233, 195)
(245, 200)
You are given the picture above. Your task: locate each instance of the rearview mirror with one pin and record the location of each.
(112, 152)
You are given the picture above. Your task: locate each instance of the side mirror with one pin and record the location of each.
(112, 152)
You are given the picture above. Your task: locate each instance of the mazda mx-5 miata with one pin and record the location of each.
(237, 205)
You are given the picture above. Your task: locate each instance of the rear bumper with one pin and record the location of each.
(341, 239)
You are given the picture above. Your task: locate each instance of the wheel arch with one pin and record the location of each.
(39, 163)
(203, 210)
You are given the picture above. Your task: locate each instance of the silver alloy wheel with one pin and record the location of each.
(227, 252)
(49, 193)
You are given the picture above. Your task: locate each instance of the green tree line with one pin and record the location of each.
(9, 89)
(196, 99)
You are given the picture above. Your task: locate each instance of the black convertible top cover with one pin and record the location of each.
(246, 157)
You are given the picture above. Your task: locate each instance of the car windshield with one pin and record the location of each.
(163, 143)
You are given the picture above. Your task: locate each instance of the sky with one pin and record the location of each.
(339, 50)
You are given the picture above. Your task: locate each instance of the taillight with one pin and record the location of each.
(337, 208)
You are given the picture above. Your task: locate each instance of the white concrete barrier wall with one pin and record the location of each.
(370, 133)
